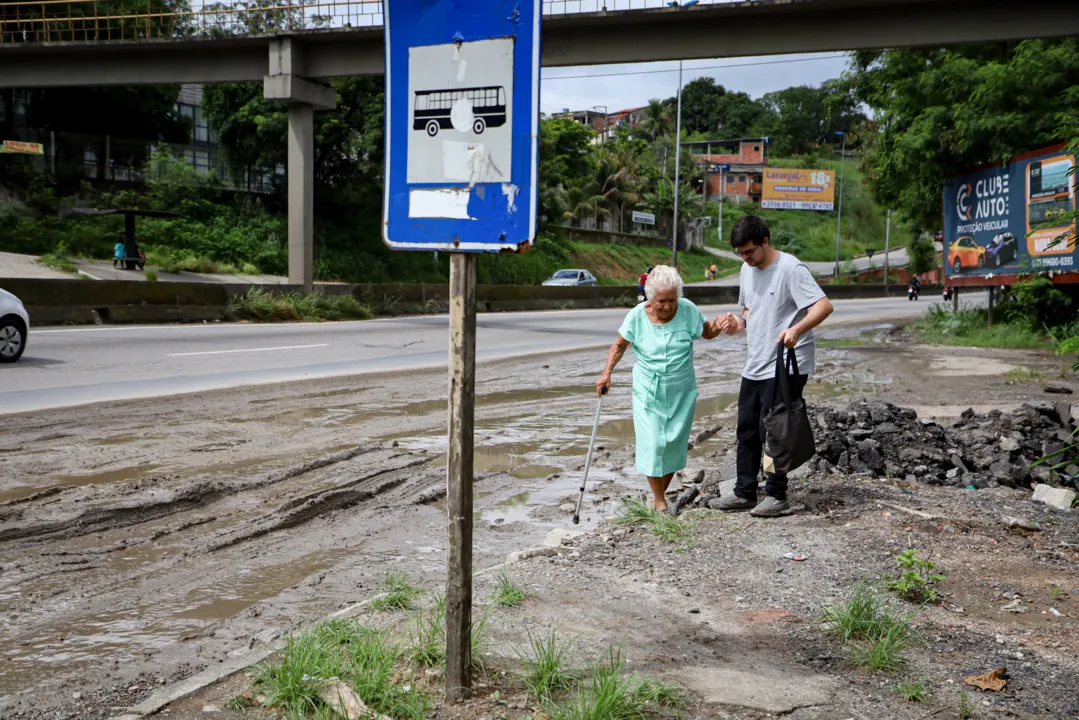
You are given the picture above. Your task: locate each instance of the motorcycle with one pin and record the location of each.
(912, 293)
(947, 294)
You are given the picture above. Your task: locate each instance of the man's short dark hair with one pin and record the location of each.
(749, 229)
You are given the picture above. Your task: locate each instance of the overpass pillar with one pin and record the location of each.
(285, 83)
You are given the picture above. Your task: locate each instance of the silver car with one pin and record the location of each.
(14, 325)
(578, 278)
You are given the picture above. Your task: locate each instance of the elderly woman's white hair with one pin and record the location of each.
(661, 279)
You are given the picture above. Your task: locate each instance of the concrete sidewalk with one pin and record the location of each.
(14, 265)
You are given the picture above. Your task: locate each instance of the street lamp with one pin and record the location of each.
(839, 215)
(677, 158)
(722, 192)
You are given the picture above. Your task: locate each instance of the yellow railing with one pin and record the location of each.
(103, 20)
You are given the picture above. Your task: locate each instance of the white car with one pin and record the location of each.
(571, 278)
(14, 325)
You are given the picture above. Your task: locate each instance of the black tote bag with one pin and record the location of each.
(788, 436)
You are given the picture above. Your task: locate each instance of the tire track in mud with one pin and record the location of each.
(311, 505)
(66, 526)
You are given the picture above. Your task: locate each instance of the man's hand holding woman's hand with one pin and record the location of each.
(733, 324)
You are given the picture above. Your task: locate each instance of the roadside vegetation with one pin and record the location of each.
(346, 661)
(872, 628)
(637, 511)
(258, 305)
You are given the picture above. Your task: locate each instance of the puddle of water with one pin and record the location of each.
(127, 474)
(125, 439)
(87, 641)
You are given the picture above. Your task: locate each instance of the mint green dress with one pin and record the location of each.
(664, 386)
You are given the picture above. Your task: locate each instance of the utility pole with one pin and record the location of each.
(677, 163)
(839, 215)
(887, 247)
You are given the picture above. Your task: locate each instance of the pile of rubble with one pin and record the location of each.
(978, 451)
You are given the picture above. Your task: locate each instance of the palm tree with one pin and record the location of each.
(657, 120)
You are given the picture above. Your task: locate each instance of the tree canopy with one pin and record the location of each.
(941, 111)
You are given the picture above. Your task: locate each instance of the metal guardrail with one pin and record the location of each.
(26, 21)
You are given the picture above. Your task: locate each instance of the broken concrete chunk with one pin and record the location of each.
(1061, 498)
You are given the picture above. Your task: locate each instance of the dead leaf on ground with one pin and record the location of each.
(993, 680)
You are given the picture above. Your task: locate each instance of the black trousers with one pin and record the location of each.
(754, 401)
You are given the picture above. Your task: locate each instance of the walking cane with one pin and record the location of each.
(588, 459)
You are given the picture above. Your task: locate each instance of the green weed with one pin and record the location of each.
(966, 707)
(916, 579)
(1022, 374)
(60, 260)
(507, 594)
(876, 632)
(547, 675)
(1057, 592)
(636, 511)
(261, 306)
(151, 275)
(609, 694)
(398, 593)
(912, 690)
(292, 682)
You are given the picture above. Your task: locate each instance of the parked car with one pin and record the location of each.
(571, 278)
(14, 324)
(965, 253)
(1003, 249)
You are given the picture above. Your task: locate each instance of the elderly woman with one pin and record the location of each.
(661, 331)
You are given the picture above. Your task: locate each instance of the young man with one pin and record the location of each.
(782, 303)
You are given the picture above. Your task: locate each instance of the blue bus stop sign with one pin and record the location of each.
(462, 124)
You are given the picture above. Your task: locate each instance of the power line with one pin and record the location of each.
(706, 67)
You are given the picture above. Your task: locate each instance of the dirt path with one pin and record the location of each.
(142, 541)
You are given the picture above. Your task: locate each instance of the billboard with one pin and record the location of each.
(1011, 219)
(786, 189)
(14, 147)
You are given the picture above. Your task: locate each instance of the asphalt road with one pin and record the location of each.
(74, 366)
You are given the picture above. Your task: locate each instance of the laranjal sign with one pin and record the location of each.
(787, 189)
(15, 147)
(1014, 218)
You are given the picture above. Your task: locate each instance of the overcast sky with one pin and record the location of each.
(610, 85)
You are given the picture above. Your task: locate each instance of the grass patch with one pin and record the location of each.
(260, 306)
(912, 690)
(398, 592)
(609, 694)
(968, 328)
(507, 594)
(876, 632)
(59, 260)
(427, 636)
(363, 658)
(662, 524)
(151, 275)
(547, 675)
(966, 707)
(623, 264)
(1022, 375)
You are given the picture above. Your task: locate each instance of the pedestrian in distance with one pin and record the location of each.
(782, 303)
(661, 332)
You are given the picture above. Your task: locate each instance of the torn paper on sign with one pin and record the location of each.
(449, 203)
(510, 191)
(467, 162)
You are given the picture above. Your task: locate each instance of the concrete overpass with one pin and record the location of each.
(295, 66)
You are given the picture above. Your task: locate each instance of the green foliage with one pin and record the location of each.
(398, 592)
(940, 111)
(660, 523)
(1039, 302)
(912, 691)
(258, 305)
(151, 275)
(966, 707)
(365, 659)
(923, 255)
(545, 666)
(969, 328)
(507, 594)
(916, 580)
(876, 632)
(801, 119)
(59, 259)
(609, 694)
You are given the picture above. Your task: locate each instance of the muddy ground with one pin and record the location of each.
(143, 541)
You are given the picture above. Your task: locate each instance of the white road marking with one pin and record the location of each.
(226, 352)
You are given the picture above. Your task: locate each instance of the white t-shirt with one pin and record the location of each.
(777, 297)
